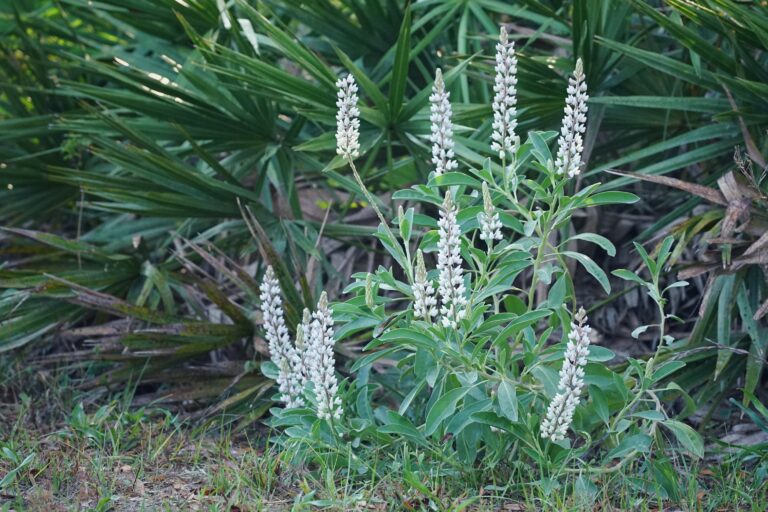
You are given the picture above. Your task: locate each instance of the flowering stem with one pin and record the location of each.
(369, 197)
(541, 251)
(333, 429)
(536, 265)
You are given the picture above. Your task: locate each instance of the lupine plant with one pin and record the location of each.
(477, 328)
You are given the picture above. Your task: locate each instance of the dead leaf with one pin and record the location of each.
(760, 313)
(738, 210)
(710, 194)
(695, 270)
(758, 244)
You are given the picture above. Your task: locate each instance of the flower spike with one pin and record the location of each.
(298, 362)
(560, 412)
(322, 371)
(442, 128)
(281, 350)
(570, 145)
(424, 301)
(347, 118)
(451, 282)
(504, 139)
(490, 225)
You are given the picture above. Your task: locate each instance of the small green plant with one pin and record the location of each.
(17, 462)
(487, 352)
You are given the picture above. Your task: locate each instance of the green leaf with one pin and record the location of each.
(600, 240)
(590, 267)
(691, 104)
(556, 294)
(400, 67)
(649, 415)
(611, 197)
(724, 315)
(444, 407)
(71, 246)
(372, 358)
(404, 337)
(507, 396)
(406, 403)
(686, 436)
(599, 403)
(649, 262)
(492, 419)
(663, 252)
(598, 354)
(269, 370)
(10, 476)
(666, 369)
(704, 133)
(398, 424)
(406, 225)
(454, 178)
(464, 418)
(294, 50)
(668, 65)
(519, 323)
(757, 349)
(628, 275)
(541, 149)
(360, 323)
(640, 443)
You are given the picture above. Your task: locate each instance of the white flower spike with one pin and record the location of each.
(570, 145)
(347, 118)
(451, 281)
(424, 301)
(281, 350)
(490, 225)
(322, 363)
(504, 139)
(298, 362)
(442, 128)
(560, 412)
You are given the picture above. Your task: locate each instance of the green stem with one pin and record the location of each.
(603, 470)
(372, 201)
(540, 253)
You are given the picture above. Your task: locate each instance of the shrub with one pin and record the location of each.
(471, 355)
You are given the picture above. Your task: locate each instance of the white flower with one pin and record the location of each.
(504, 139)
(281, 350)
(451, 281)
(490, 225)
(570, 145)
(442, 128)
(560, 412)
(298, 361)
(347, 118)
(424, 301)
(321, 362)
